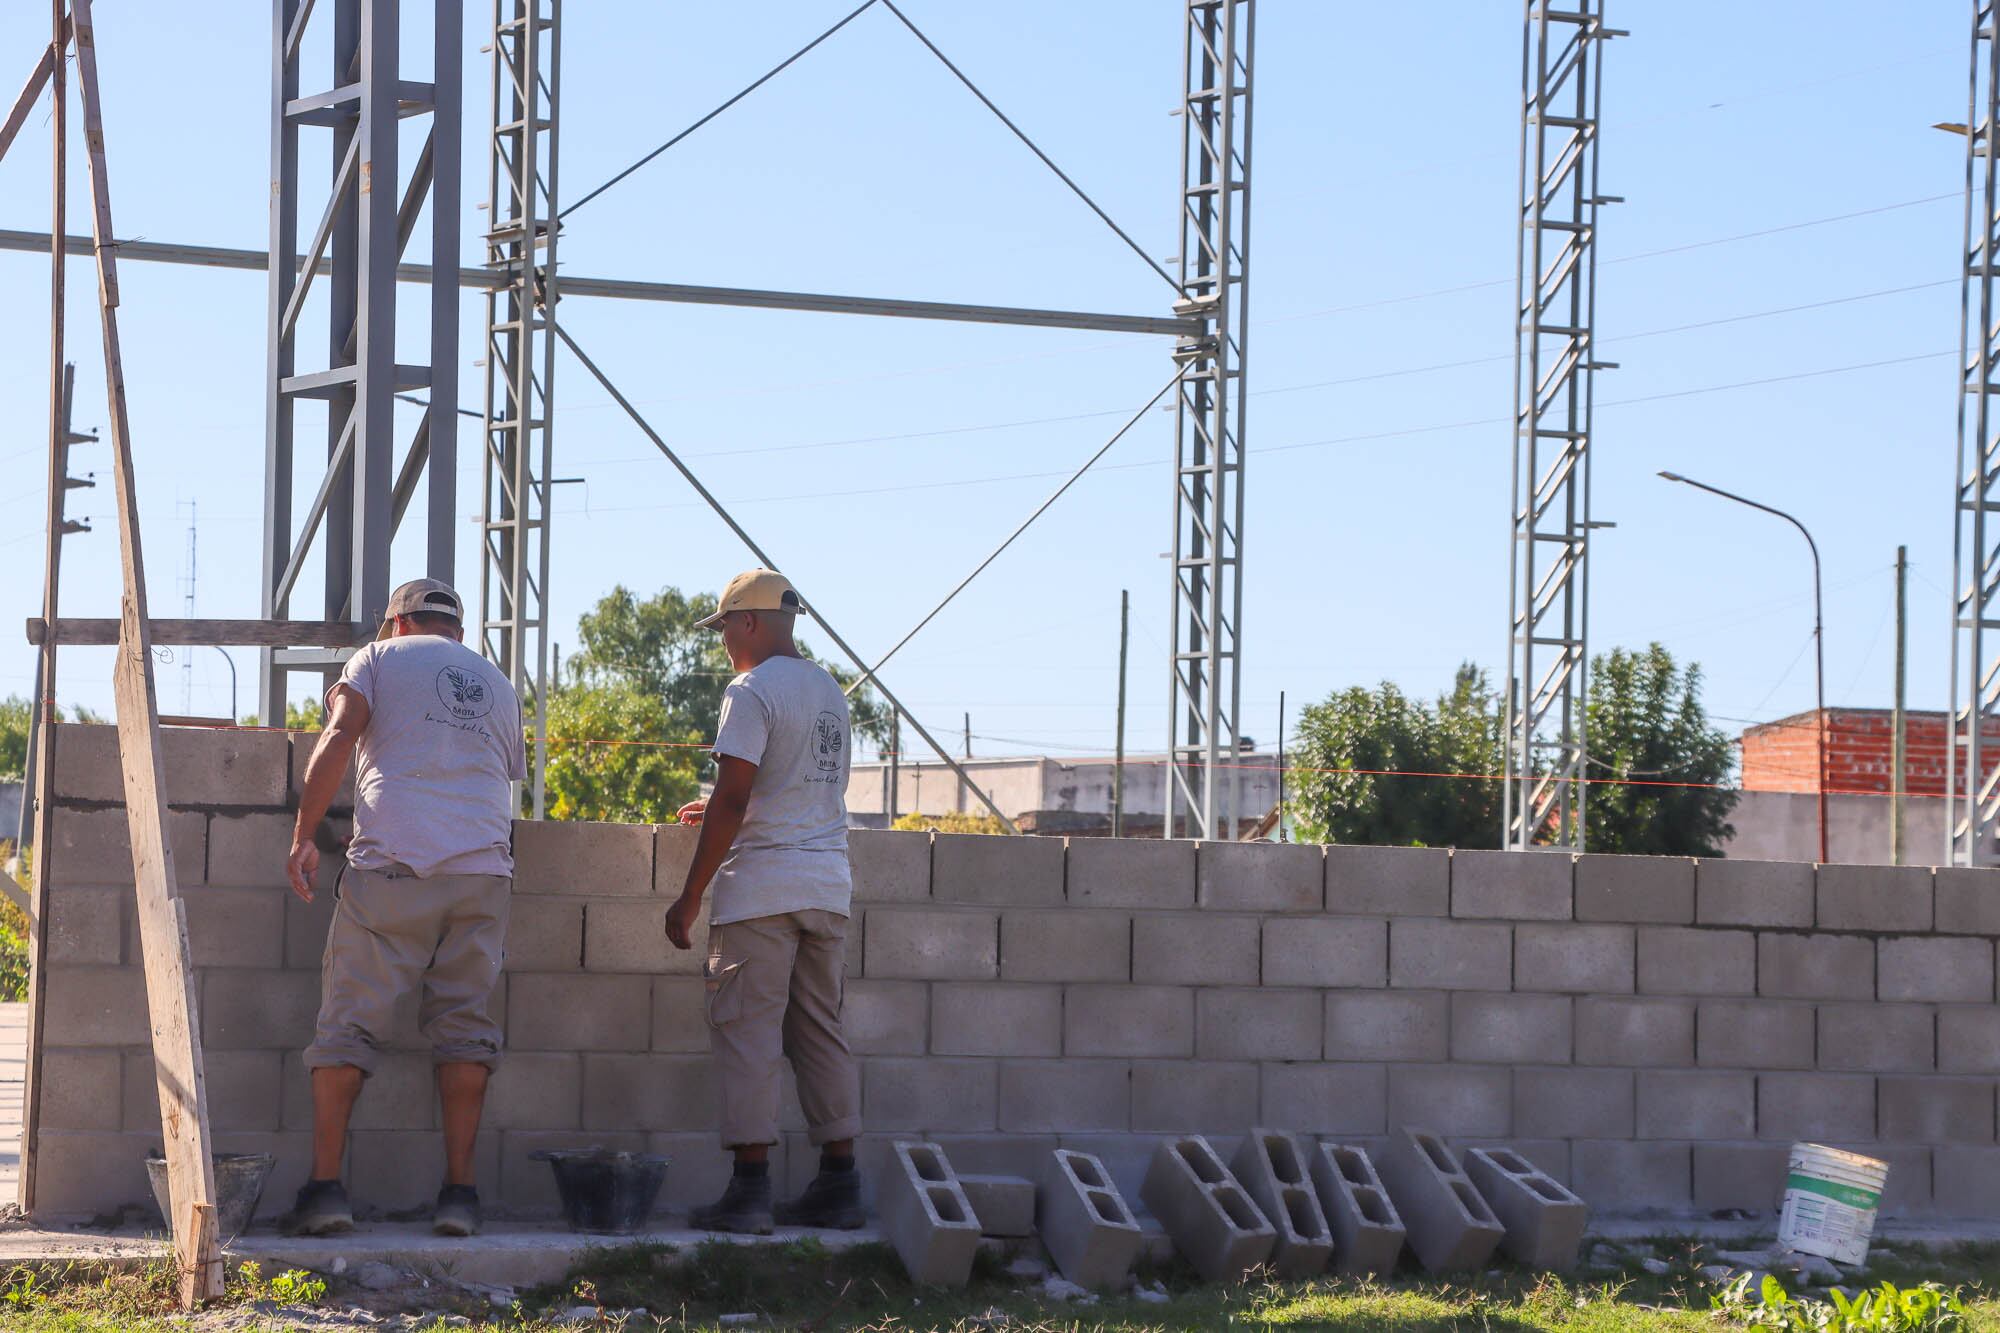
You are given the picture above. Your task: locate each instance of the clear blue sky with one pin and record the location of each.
(1385, 160)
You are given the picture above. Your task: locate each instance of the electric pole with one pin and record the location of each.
(1118, 764)
(1900, 719)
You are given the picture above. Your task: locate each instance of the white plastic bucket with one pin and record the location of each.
(1830, 1202)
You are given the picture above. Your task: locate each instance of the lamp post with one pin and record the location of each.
(1819, 629)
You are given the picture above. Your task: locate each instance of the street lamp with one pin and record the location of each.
(1819, 629)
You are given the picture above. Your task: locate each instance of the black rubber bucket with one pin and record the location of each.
(239, 1184)
(603, 1190)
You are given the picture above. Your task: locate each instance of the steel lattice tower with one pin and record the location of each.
(1203, 791)
(1975, 657)
(520, 357)
(369, 215)
(1554, 363)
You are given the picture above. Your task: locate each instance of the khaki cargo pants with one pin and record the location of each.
(774, 994)
(393, 933)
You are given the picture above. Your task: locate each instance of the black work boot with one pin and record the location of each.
(457, 1212)
(745, 1207)
(321, 1209)
(832, 1199)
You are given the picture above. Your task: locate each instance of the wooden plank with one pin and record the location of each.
(11, 890)
(170, 997)
(30, 92)
(86, 632)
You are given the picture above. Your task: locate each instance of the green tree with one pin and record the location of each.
(1646, 727)
(304, 715)
(616, 753)
(948, 821)
(15, 714)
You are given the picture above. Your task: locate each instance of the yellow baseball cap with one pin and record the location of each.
(754, 590)
(417, 597)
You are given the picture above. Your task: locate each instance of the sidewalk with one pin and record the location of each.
(13, 1075)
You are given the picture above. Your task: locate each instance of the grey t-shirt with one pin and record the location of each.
(435, 763)
(788, 717)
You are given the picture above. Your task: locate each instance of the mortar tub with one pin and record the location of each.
(239, 1184)
(603, 1190)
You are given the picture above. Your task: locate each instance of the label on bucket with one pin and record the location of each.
(1853, 1196)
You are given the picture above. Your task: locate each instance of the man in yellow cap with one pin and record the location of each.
(773, 847)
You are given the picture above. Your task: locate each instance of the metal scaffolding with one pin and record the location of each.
(1554, 364)
(369, 216)
(1975, 657)
(1205, 619)
(520, 357)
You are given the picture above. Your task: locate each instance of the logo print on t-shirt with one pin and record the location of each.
(827, 746)
(464, 694)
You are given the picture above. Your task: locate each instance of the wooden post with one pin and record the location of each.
(170, 997)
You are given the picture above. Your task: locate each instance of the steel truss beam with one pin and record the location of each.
(1205, 618)
(369, 215)
(1554, 365)
(1975, 657)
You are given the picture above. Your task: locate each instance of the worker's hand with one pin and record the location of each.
(681, 918)
(691, 813)
(301, 868)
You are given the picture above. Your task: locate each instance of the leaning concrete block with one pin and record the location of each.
(1086, 1227)
(1367, 1233)
(1272, 1166)
(1544, 1221)
(926, 1216)
(1203, 1207)
(1450, 1226)
(1003, 1205)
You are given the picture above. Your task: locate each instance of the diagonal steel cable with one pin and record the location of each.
(759, 82)
(1033, 147)
(868, 673)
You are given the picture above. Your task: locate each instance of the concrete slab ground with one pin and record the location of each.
(13, 1092)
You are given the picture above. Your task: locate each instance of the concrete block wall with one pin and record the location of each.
(1653, 1032)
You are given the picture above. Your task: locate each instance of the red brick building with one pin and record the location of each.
(1784, 755)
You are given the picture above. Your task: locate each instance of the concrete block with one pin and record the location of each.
(642, 1092)
(1206, 1097)
(1021, 1155)
(996, 1018)
(1475, 1101)
(95, 847)
(1258, 1024)
(233, 927)
(1131, 872)
(568, 1012)
(1046, 1096)
(249, 850)
(876, 1017)
(1451, 1228)
(922, 944)
(630, 936)
(1968, 1040)
(1510, 1029)
(582, 858)
(1894, 898)
(1451, 955)
(80, 1090)
(930, 1094)
(1388, 881)
(1614, 1030)
(925, 1214)
(535, 1090)
(95, 1006)
(1573, 1103)
(1753, 1034)
(1090, 1233)
(1512, 886)
(1156, 1021)
(1878, 1038)
(1260, 876)
(1544, 1222)
(83, 1176)
(544, 934)
(1367, 1231)
(1967, 1180)
(1273, 1168)
(1326, 951)
(1749, 1176)
(1816, 967)
(203, 765)
(243, 1090)
(1908, 1188)
(526, 1188)
(888, 865)
(1915, 1109)
(1065, 945)
(1326, 1098)
(255, 1008)
(1674, 960)
(393, 1170)
(1653, 889)
(1577, 959)
(1632, 1179)
(1388, 1025)
(1967, 900)
(1213, 1222)
(1820, 1107)
(1002, 1205)
(995, 871)
(1696, 1104)
(1549, 1156)
(86, 924)
(1923, 967)
(1196, 950)
(1127, 1157)
(673, 855)
(1754, 893)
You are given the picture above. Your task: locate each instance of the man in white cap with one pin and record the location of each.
(423, 900)
(773, 846)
